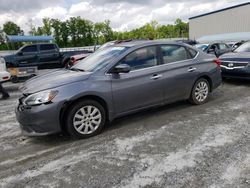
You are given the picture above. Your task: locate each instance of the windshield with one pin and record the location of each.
(243, 48)
(107, 44)
(99, 59)
(202, 47)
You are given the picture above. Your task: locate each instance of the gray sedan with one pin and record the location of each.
(113, 82)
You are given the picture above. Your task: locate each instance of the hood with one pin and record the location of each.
(8, 58)
(236, 56)
(53, 79)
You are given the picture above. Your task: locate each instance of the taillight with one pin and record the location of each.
(218, 62)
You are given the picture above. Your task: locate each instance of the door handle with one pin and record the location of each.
(155, 77)
(191, 69)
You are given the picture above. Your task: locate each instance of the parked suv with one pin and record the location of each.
(113, 82)
(44, 55)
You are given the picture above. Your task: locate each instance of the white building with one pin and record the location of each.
(229, 20)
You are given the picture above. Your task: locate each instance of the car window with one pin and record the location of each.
(173, 53)
(243, 48)
(141, 58)
(192, 52)
(30, 49)
(222, 46)
(45, 47)
(202, 47)
(100, 58)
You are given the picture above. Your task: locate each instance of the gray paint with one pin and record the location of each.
(123, 93)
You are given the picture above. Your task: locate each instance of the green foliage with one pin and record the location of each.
(10, 28)
(77, 31)
(154, 30)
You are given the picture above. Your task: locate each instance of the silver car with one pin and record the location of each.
(115, 81)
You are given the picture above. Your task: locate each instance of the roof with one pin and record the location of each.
(18, 38)
(228, 37)
(146, 42)
(221, 10)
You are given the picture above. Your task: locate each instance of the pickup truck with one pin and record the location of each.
(42, 56)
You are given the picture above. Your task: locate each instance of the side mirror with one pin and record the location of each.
(20, 53)
(122, 68)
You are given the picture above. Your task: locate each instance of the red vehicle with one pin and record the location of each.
(75, 58)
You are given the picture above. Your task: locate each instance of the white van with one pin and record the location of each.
(4, 74)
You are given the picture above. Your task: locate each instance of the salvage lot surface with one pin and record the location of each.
(178, 145)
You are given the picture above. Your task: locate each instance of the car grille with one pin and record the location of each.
(233, 64)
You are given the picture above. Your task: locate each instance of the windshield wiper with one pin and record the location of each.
(76, 69)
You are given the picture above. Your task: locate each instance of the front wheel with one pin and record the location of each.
(200, 92)
(85, 119)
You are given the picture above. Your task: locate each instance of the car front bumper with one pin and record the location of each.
(39, 120)
(242, 73)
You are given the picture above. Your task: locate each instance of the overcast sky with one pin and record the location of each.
(123, 14)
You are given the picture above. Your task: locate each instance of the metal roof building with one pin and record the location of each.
(235, 19)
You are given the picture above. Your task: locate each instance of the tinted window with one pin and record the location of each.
(30, 49)
(141, 58)
(173, 53)
(243, 48)
(44, 47)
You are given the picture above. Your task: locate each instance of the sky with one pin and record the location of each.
(123, 14)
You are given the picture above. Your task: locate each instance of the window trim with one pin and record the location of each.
(107, 73)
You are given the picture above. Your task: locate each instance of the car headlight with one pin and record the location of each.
(40, 98)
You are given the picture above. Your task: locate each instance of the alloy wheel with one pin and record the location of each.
(87, 119)
(201, 91)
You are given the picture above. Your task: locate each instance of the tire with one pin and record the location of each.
(85, 119)
(14, 79)
(200, 92)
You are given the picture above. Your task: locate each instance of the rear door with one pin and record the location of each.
(27, 56)
(49, 56)
(179, 71)
(142, 86)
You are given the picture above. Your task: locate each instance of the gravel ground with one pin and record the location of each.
(178, 145)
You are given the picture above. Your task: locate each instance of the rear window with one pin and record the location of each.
(45, 47)
(30, 49)
(192, 52)
(222, 46)
(174, 53)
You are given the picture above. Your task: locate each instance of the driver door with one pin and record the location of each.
(142, 86)
(28, 56)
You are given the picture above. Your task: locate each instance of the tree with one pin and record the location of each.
(56, 25)
(181, 28)
(64, 33)
(77, 31)
(47, 26)
(10, 28)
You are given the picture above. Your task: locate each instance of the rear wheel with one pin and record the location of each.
(200, 92)
(85, 119)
